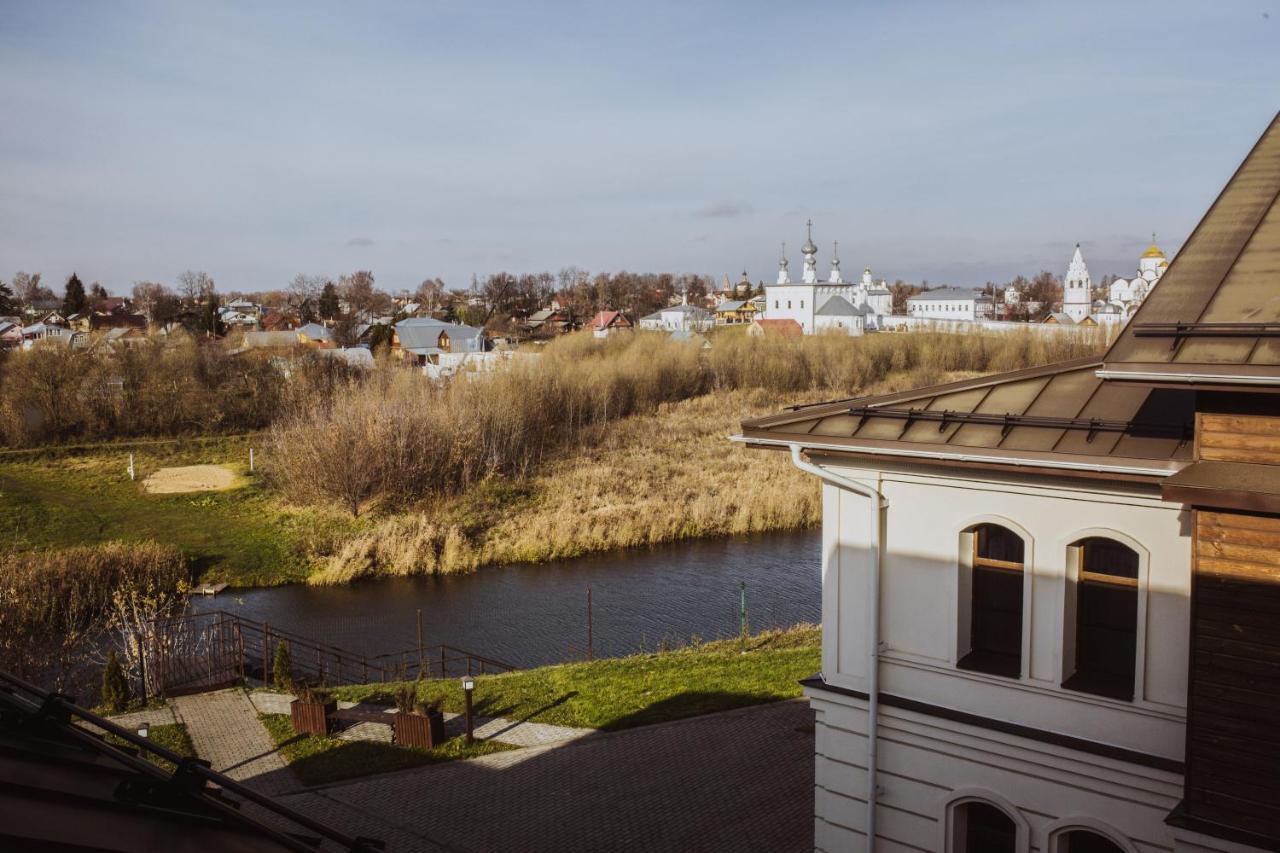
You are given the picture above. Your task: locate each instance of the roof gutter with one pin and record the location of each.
(1224, 378)
(962, 457)
(876, 502)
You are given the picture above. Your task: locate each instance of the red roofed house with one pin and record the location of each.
(606, 323)
(786, 328)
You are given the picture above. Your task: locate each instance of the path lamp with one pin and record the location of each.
(468, 687)
(144, 729)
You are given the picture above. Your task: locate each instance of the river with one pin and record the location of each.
(532, 614)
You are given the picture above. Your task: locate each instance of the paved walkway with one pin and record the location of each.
(224, 728)
(741, 780)
(513, 732)
(155, 716)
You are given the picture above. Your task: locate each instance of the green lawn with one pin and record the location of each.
(171, 736)
(319, 760)
(64, 498)
(618, 693)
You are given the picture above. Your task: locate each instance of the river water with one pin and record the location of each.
(532, 614)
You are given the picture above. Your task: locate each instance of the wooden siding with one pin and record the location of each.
(1239, 438)
(1233, 736)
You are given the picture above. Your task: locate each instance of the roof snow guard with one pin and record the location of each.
(1060, 417)
(1213, 320)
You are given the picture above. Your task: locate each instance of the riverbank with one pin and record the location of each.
(634, 482)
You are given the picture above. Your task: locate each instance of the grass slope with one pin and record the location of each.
(170, 736)
(619, 693)
(54, 500)
(320, 760)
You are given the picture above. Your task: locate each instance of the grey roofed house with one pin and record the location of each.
(838, 306)
(421, 336)
(949, 294)
(731, 305)
(315, 332)
(1060, 317)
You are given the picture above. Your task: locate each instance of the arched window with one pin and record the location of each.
(995, 601)
(1084, 841)
(1106, 618)
(979, 827)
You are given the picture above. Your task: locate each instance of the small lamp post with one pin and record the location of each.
(144, 729)
(468, 687)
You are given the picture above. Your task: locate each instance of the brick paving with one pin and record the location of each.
(740, 780)
(155, 716)
(224, 729)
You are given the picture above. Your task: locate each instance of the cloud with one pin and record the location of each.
(360, 241)
(725, 210)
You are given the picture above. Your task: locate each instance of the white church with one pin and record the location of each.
(1123, 297)
(832, 305)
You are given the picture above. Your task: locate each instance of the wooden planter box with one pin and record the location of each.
(311, 717)
(417, 730)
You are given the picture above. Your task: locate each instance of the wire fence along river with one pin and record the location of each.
(530, 615)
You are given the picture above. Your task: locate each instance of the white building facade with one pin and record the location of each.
(1077, 290)
(951, 303)
(1128, 293)
(804, 300)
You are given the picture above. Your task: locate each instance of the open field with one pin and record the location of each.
(618, 693)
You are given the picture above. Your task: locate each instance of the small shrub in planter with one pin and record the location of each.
(310, 711)
(417, 724)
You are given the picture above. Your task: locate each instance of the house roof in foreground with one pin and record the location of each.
(1214, 316)
(1058, 416)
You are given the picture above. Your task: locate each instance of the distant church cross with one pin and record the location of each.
(809, 229)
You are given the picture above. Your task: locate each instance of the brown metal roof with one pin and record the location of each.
(1215, 314)
(1060, 415)
(1229, 485)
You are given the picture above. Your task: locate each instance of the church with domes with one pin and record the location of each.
(1123, 296)
(1127, 294)
(832, 305)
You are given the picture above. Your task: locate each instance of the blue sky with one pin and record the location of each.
(950, 141)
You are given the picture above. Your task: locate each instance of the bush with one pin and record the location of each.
(282, 668)
(56, 605)
(399, 437)
(115, 687)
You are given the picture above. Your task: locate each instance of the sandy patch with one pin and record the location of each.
(190, 478)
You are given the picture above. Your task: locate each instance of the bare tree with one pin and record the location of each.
(146, 294)
(357, 290)
(195, 286)
(430, 294)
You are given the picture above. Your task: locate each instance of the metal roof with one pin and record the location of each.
(1057, 416)
(949, 294)
(838, 306)
(1214, 316)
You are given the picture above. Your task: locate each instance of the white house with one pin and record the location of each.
(679, 318)
(950, 303)
(802, 300)
(1049, 597)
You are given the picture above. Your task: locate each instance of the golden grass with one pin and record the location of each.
(643, 480)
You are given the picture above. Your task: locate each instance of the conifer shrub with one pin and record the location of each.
(282, 668)
(115, 687)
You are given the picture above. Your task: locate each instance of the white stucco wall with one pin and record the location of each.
(922, 639)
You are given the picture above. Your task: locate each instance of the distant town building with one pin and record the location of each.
(951, 303)
(1077, 291)
(678, 318)
(1128, 294)
(802, 300)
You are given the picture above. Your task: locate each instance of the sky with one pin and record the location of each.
(953, 142)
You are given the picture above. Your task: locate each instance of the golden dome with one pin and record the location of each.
(1153, 251)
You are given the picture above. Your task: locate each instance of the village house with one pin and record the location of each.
(314, 334)
(31, 335)
(1050, 597)
(10, 334)
(425, 340)
(786, 328)
(547, 322)
(735, 312)
(606, 323)
(678, 318)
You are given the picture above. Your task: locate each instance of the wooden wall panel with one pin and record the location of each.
(1238, 438)
(1233, 705)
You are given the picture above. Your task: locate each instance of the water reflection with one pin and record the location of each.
(535, 614)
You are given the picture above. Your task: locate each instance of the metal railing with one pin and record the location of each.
(191, 777)
(224, 647)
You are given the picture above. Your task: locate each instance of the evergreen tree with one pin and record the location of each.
(115, 687)
(328, 306)
(208, 320)
(74, 300)
(282, 669)
(8, 304)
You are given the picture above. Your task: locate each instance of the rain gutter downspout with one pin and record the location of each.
(876, 502)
